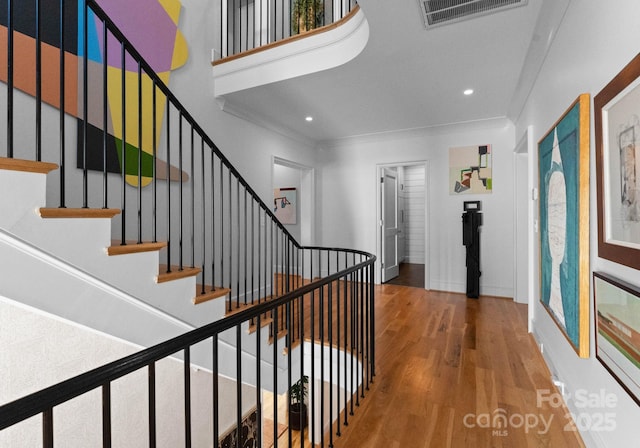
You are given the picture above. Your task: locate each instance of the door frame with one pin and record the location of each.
(427, 177)
(526, 147)
(306, 198)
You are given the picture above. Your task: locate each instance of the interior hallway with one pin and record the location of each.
(455, 372)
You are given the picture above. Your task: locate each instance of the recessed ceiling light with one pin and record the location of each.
(468, 92)
(309, 118)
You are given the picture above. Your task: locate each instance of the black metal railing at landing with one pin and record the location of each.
(336, 317)
(249, 24)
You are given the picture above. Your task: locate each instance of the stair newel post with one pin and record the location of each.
(62, 105)
(139, 188)
(300, 326)
(337, 302)
(373, 320)
(361, 316)
(105, 113)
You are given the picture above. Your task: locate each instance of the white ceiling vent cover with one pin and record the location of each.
(441, 12)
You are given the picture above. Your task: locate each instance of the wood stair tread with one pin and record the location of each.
(210, 293)
(28, 166)
(52, 212)
(176, 273)
(132, 247)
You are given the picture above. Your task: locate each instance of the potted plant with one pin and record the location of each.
(306, 15)
(297, 406)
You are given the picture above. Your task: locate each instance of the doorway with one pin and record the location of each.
(403, 213)
(287, 174)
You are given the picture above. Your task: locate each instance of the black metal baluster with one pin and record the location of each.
(193, 204)
(106, 415)
(373, 320)
(10, 50)
(154, 187)
(330, 348)
(245, 245)
(204, 220)
(231, 242)
(239, 386)
(47, 428)
(169, 186)
(352, 341)
(346, 340)
(222, 239)
(139, 187)
(62, 157)
(312, 310)
(253, 251)
(123, 192)
(187, 396)
(216, 392)
(338, 347)
(259, 380)
(238, 243)
(105, 112)
(152, 405)
(361, 340)
(38, 31)
(275, 381)
(213, 223)
(85, 105)
(180, 198)
(289, 349)
(322, 351)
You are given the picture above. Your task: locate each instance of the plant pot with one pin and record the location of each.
(297, 415)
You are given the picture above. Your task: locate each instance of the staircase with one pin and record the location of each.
(173, 251)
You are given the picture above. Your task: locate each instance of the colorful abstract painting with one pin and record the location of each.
(470, 170)
(150, 25)
(284, 205)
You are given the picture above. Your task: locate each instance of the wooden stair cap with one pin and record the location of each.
(28, 166)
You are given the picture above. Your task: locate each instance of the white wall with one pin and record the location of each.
(349, 182)
(594, 42)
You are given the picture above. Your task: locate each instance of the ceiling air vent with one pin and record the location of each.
(441, 12)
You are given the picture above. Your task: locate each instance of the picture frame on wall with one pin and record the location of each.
(617, 323)
(617, 133)
(563, 167)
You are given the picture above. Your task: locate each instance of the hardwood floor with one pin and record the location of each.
(411, 274)
(447, 369)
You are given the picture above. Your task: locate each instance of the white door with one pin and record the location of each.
(389, 223)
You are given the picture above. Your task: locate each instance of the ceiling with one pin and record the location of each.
(407, 77)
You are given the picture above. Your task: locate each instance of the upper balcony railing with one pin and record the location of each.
(249, 24)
